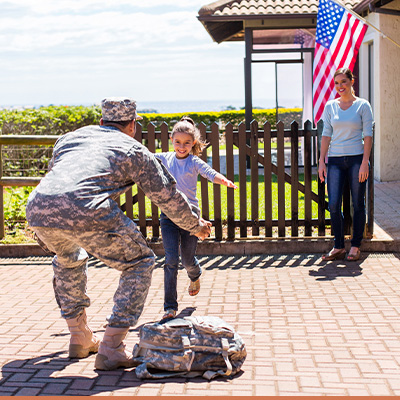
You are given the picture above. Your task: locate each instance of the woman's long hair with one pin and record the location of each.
(349, 73)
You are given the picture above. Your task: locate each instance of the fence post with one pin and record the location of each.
(242, 179)
(254, 177)
(216, 188)
(140, 193)
(205, 208)
(230, 174)
(307, 180)
(371, 189)
(281, 179)
(151, 140)
(267, 179)
(295, 177)
(321, 186)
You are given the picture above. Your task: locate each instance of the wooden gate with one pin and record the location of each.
(269, 179)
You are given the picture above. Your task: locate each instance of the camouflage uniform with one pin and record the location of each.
(74, 210)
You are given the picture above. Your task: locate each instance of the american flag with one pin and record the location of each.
(338, 38)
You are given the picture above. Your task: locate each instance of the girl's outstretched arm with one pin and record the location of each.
(221, 180)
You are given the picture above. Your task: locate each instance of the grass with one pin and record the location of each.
(261, 199)
(17, 230)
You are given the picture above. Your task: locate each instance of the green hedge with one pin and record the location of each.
(287, 115)
(52, 120)
(57, 120)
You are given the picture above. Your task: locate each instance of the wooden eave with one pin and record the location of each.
(231, 27)
(364, 5)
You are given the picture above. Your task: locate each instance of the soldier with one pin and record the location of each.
(73, 211)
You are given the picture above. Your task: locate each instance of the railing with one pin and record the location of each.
(256, 208)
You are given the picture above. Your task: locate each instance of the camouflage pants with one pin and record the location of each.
(123, 248)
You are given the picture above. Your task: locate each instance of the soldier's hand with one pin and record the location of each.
(205, 229)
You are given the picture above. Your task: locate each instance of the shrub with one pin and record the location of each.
(57, 120)
(52, 120)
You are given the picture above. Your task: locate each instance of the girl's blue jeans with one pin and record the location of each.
(338, 169)
(175, 239)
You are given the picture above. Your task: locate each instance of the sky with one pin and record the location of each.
(76, 52)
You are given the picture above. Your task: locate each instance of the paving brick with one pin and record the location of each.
(54, 389)
(28, 392)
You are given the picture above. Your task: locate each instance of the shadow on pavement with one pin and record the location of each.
(40, 373)
(336, 269)
(260, 261)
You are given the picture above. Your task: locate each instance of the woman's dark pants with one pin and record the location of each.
(338, 169)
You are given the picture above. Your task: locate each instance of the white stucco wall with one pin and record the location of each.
(386, 86)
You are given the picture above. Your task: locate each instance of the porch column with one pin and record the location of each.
(248, 36)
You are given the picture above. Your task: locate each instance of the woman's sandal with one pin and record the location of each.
(354, 257)
(338, 255)
(194, 287)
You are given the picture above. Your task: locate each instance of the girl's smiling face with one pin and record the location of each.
(183, 143)
(343, 84)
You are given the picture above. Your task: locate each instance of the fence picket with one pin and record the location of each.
(321, 188)
(216, 188)
(151, 138)
(164, 137)
(242, 179)
(254, 178)
(281, 178)
(230, 174)
(140, 194)
(205, 209)
(307, 179)
(267, 180)
(294, 161)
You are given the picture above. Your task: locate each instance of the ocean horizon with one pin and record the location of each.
(180, 106)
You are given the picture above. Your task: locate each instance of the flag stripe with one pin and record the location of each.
(339, 37)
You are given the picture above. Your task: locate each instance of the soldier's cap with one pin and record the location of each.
(119, 109)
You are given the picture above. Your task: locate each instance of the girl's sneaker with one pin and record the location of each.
(168, 315)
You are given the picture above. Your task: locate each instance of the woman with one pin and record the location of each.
(347, 121)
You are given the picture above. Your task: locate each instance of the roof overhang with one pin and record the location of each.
(379, 6)
(226, 20)
(224, 29)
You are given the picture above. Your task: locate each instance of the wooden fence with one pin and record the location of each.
(263, 187)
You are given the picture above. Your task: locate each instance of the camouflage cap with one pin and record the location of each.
(119, 109)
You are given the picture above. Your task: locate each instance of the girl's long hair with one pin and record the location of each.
(187, 125)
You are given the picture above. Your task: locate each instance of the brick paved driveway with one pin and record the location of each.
(310, 328)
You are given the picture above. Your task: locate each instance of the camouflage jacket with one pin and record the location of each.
(89, 169)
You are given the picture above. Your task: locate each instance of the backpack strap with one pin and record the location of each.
(212, 374)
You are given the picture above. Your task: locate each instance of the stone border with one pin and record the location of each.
(236, 247)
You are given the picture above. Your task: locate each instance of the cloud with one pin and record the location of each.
(51, 7)
(77, 51)
(110, 31)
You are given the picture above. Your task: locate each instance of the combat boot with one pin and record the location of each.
(112, 352)
(83, 341)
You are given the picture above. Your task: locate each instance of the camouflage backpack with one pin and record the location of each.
(189, 346)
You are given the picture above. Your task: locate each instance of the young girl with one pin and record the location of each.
(185, 166)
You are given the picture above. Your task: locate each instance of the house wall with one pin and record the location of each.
(386, 91)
